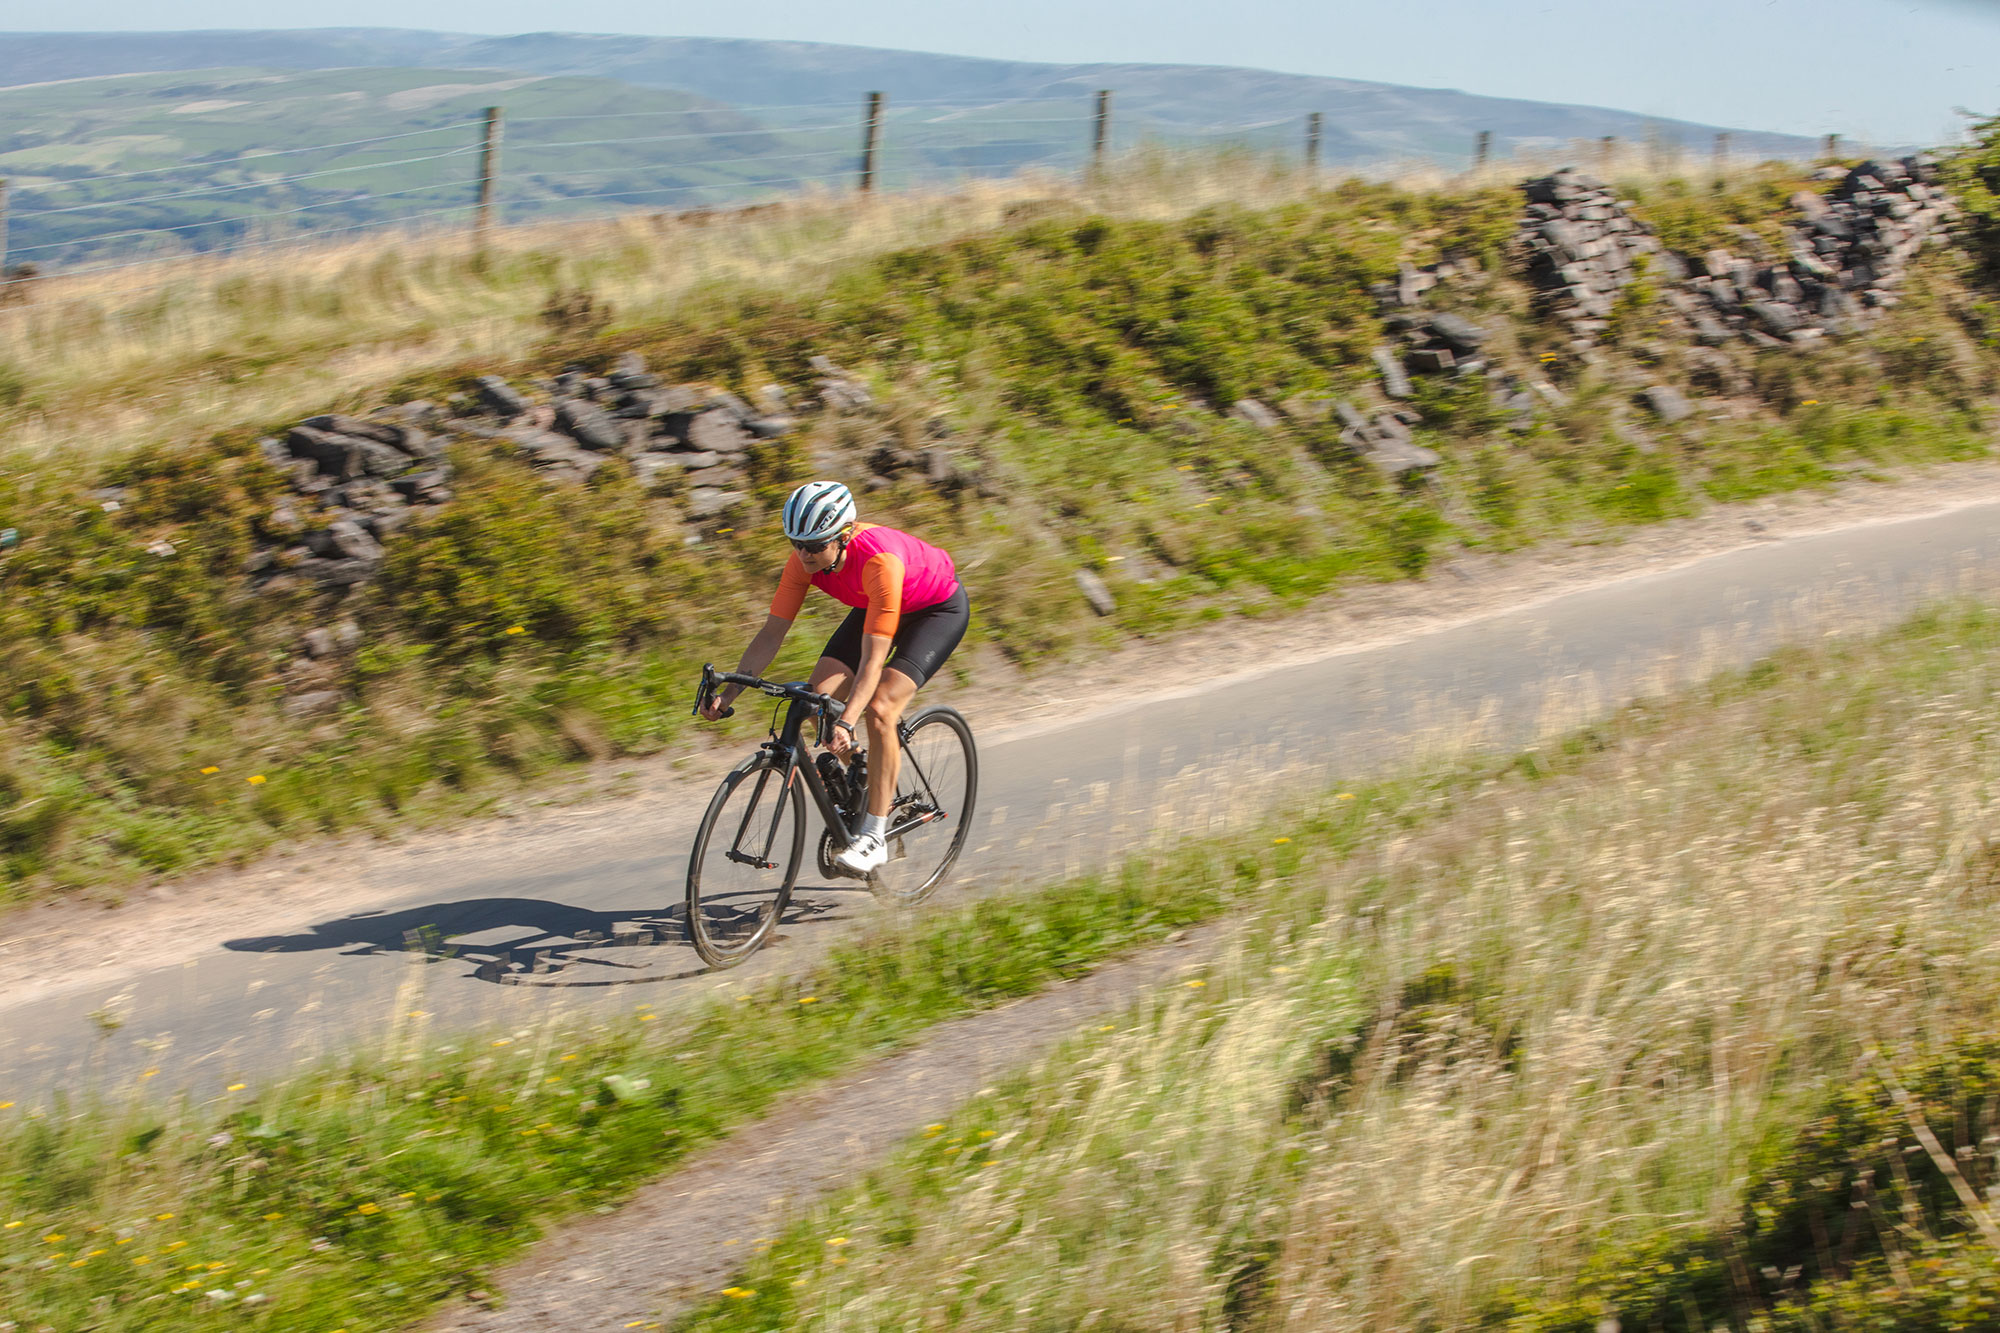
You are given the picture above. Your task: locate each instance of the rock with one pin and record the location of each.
(1550, 393)
(589, 425)
(319, 643)
(344, 539)
(1096, 593)
(343, 573)
(1778, 319)
(711, 501)
(500, 396)
(769, 428)
(770, 400)
(721, 477)
(284, 520)
(274, 452)
(1254, 413)
(1395, 382)
(359, 428)
(423, 487)
(1350, 416)
(312, 703)
(1396, 457)
(1458, 333)
(938, 469)
(535, 440)
(1667, 403)
(716, 429)
(567, 462)
(1430, 360)
(698, 459)
(381, 460)
(334, 455)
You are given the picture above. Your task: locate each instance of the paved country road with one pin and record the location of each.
(522, 931)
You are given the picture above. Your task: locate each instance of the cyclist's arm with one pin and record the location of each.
(882, 578)
(791, 595)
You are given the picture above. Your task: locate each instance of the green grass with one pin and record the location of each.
(1617, 1032)
(1070, 363)
(1406, 992)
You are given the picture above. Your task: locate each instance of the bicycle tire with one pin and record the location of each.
(716, 922)
(898, 882)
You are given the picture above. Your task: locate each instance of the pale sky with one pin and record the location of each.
(1874, 70)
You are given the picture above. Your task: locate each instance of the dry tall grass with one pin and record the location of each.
(173, 351)
(1563, 1014)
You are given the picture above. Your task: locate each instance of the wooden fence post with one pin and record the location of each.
(489, 167)
(1721, 158)
(1607, 147)
(1101, 138)
(1313, 131)
(1482, 150)
(871, 140)
(1833, 148)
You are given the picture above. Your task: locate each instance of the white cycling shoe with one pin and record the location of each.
(865, 855)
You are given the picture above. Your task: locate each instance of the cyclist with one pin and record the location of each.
(910, 612)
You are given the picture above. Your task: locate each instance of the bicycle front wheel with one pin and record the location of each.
(745, 860)
(935, 791)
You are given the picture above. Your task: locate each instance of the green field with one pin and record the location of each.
(134, 165)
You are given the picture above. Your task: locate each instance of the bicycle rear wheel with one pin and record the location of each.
(935, 792)
(745, 860)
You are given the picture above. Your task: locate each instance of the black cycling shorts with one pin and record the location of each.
(923, 639)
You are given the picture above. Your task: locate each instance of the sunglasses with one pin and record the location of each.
(812, 548)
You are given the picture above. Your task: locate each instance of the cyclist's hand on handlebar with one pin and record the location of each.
(837, 740)
(717, 706)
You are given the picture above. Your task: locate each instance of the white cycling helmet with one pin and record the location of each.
(818, 511)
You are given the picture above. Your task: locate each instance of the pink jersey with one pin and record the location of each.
(886, 571)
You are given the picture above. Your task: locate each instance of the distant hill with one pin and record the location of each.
(663, 122)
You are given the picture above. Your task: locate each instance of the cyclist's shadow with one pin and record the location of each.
(543, 937)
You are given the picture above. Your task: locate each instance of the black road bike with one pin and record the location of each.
(752, 839)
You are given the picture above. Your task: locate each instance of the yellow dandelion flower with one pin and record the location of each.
(368, 1209)
(11, 1225)
(837, 1240)
(1345, 796)
(1196, 985)
(272, 1217)
(54, 1238)
(1279, 842)
(238, 1087)
(647, 1018)
(210, 771)
(809, 999)
(569, 1057)
(94, 1253)
(150, 1073)
(1109, 1027)
(163, 1217)
(504, 1041)
(933, 1129)
(517, 629)
(738, 1293)
(141, 1260)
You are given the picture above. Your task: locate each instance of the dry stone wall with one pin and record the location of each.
(1845, 254)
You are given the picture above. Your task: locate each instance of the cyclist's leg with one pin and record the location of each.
(885, 748)
(923, 643)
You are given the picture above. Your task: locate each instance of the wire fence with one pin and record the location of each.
(491, 169)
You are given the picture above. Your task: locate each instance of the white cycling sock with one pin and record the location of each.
(875, 824)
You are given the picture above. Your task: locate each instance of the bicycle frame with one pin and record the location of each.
(787, 746)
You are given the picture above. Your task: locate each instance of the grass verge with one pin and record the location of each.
(1683, 1024)
(1076, 364)
(1542, 1010)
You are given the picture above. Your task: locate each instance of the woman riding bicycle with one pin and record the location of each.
(910, 611)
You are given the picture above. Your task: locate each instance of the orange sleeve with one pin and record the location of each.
(882, 579)
(792, 585)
